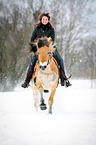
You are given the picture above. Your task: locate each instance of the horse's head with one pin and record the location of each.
(43, 57)
(44, 51)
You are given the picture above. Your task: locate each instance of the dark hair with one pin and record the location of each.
(44, 14)
(40, 18)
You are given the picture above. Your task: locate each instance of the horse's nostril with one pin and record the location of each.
(45, 66)
(40, 66)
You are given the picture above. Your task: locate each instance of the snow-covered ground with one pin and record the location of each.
(73, 121)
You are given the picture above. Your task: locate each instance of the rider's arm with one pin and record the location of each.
(52, 34)
(34, 35)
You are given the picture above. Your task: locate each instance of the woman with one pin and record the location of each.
(44, 28)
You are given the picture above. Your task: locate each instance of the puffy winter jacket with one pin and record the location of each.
(43, 30)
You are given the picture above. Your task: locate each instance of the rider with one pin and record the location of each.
(41, 29)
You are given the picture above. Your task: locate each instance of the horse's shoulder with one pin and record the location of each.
(54, 65)
(37, 69)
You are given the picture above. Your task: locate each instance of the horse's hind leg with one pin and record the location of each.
(50, 101)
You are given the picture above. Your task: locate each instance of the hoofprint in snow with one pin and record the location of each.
(73, 121)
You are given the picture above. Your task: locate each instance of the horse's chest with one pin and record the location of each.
(47, 78)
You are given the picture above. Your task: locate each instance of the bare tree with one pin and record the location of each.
(35, 8)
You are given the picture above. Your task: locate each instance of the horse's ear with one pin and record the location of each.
(49, 40)
(33, 47)
(51, 45)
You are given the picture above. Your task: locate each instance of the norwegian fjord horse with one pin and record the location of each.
(46, 73)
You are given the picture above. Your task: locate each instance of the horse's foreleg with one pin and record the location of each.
(42, 99)
(41, 90)
(50, 101)
(36, 98)
(36, 104)
(42, 105)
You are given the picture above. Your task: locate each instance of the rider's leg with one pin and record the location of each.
(30, 71)
(59, 59)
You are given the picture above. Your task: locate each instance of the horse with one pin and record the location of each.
(46, 73)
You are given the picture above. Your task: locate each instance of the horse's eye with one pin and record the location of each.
(38, 53)
(48, 53)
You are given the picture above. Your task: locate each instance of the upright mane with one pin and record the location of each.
(40, 42)
(45, 41)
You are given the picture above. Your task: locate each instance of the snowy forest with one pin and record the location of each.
(75, 37)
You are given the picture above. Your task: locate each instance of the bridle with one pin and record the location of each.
(48, 58)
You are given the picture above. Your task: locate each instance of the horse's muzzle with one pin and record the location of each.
(43, 66)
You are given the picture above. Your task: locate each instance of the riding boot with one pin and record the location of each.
(30, 72)
(64, 79)
(28, 78)
(62, 75)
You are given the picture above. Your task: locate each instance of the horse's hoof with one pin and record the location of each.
(50, 112)
(46, 91)
(43, 106)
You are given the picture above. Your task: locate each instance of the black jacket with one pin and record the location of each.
(43, 30)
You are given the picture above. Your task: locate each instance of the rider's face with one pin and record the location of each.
(44, 20)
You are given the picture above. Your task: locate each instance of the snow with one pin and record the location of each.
(73, 121)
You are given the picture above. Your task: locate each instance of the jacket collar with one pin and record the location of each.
(48, 26)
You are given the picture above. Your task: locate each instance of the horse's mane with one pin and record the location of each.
(40, 42)
(45, 41)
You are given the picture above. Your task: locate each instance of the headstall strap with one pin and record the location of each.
(49, 58)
